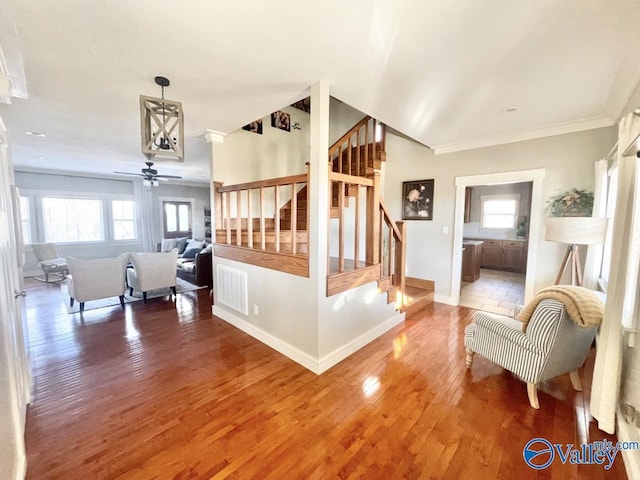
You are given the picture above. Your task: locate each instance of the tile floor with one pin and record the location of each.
(494, 291)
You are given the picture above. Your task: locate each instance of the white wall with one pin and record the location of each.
(568, 160)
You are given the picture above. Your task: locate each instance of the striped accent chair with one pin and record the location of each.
(551, 345)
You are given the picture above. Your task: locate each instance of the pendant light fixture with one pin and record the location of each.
(162, 126)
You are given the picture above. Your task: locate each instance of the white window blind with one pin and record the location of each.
(124, 219)
(25, 219)
(72, 219)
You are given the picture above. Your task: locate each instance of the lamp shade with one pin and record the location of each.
(576, 230)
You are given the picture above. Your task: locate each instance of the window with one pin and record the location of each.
(177, 219)
(630, 299)
(124, 219)
(25, 218)
(499, 211)
(72, 219)
(612, 193)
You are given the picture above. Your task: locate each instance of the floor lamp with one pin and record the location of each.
(574, 231)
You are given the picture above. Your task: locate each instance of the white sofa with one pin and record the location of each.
(96, 278)
(152, 271)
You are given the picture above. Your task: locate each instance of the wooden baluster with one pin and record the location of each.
(277, 217)
(366, 150)
(373, 148)
(294, 217)
(356, 245)
(262, 232)
(238, 217)
(249, 220)
(341, 227)
(373, 221)
(329, 205)
(228, 219)
(349, 156)
(341, 166)
(358, 152)
(381, 230)
(308, 203)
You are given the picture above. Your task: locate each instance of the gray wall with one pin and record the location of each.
(200, 197)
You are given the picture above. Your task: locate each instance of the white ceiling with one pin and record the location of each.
(440, 71)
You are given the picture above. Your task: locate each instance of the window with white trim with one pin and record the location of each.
(72, 219)
(612, 194)
(124, 219)
(25, 219)
(177, 219)
(499, 211)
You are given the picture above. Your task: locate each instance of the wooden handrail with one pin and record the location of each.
(334, 148)
(350, 179)
(272, 182)
(389, 221)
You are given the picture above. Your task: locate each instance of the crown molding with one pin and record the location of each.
(561, 129)
(212, 136)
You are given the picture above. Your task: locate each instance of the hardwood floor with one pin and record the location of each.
(165, 390)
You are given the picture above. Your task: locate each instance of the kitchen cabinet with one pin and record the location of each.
(471, 260)
(507, 255)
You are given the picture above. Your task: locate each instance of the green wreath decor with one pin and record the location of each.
(574, 203)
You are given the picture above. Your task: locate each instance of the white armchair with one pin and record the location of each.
(152, 271)
(96, 278)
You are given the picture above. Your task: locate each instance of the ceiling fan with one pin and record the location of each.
(150, 175)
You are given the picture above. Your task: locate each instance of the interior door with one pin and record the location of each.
(15, 379)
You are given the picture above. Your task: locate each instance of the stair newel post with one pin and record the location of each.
(401, 254)
(389, 251)
(308, 202)
(358, 152)
(341, 227)
(276, 195)
(294, 217)
(373, 221)
(249, 220)
(228, 219)
(262, 232)
(356, 241)
(374, 122)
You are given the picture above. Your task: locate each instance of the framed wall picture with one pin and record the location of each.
(281, 120)
(255, 127)
(417, 200)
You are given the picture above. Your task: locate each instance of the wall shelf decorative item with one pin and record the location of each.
(417, 200)
(255, 127)
(281, 120)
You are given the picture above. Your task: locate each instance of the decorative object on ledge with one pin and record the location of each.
(281, 120)
(574, 231)
(162, 126)
(304, 104)
(417, 200)
(573, 203)
(254, 127)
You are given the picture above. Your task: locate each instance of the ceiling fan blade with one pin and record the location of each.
(166, 176)
(129, 173)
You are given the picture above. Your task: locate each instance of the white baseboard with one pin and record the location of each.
(356, 344)
(631, 457)
(286, 349)
(439, 298)
(317, 366)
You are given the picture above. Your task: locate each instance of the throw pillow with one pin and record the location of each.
(194, 244)
(181, 244)
(191, 252)
(168, 244)
(207, 249)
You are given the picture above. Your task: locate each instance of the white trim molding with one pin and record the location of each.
(561, 129)
(535, 222)
(212, 136)
(631, 457)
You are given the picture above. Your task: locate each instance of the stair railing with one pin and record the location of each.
(355, 151)
(394, 256)
(242, 226)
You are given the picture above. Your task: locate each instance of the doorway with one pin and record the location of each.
(518, 286)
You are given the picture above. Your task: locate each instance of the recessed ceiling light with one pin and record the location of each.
(513, 108)
(38, 157)
(35, 134)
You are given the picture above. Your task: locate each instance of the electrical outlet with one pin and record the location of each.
(255, 310)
